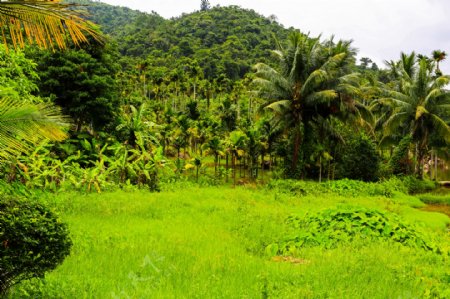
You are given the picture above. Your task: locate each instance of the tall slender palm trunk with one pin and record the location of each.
(295, 155)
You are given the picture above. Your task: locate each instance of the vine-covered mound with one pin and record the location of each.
(335, 226)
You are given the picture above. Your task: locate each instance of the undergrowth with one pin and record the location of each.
(332, 227)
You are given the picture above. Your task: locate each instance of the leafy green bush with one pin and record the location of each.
(359, 160)
(331, 227)
(345, 187)
(435, 199)
(415, 185)
(299, 188)
(400, 163)
(32, 241)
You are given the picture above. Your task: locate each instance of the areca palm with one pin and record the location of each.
(420, 106)
(48, 24)
(314, 80)
(215, 147)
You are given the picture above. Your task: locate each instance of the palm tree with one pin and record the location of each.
(236, 145)
(315, 79)
(438, 56)
(419, 106)
(46, 23)
(214, 146)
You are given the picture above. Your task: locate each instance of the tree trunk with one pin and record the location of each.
(320, 169)
(435, 167)
(226, 167)
(197, 173)
(419, 165)
(296, 150)
(233, 165)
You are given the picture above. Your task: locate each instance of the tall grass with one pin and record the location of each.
(209, 243)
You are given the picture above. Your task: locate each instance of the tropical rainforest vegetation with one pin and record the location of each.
(194, 106)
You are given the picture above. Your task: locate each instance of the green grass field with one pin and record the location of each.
(209, 243)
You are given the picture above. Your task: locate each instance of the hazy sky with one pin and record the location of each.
(380, 28)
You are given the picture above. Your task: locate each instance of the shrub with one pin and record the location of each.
(344, 187)
(331, 227)
(32, 241)
(415, 185)
(359, 160)
(400, 162)
(296, 187)
(435, 199)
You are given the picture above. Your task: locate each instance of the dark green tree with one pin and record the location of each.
(359, 159)
(82, 82)
(204, 5)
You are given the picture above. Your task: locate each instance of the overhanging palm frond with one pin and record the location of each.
(394, 102)
(321, 97)
(441, 127)
(314, 79)
(279, 107)
(441, 82)
(45, 22)
(24, 124)
(334, 61)
(394, 121)
(365, 114)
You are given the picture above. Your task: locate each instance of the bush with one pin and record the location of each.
(359, 160)
(32, 241)
(400, 162)
(331, 227)
(435, 199)
(345, 187)
(297, 187)
(415, 185)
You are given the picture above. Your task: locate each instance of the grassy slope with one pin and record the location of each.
(209, 243)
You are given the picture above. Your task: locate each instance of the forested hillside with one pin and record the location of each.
(222, 41)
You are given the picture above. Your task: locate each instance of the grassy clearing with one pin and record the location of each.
(209, 243)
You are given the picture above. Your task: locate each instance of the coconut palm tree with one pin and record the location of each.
(48, 24)
(314, 79)
(420, 106)
(438, 56)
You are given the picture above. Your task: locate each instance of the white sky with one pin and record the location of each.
(381, 29)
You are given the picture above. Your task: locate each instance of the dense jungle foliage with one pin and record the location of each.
(225, 94)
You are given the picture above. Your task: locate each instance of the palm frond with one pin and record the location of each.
(420, 111)
(320, 97)
(44, 22)
(315, 78)
(394, 122)
(394, 102)
(23, 125)
(441, 127)
(279, 107)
